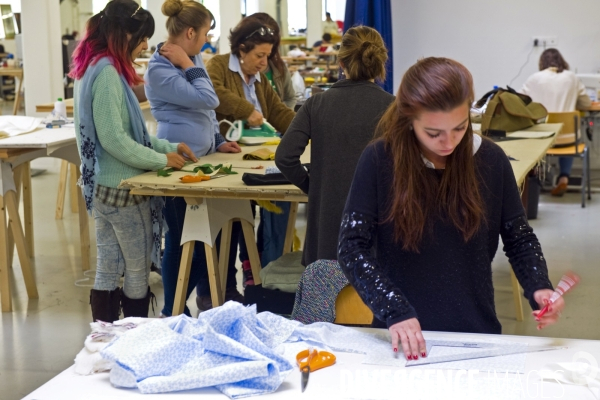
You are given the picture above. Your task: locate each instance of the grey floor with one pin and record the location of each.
(41, 337)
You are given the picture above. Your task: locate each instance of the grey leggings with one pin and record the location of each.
(124, 241)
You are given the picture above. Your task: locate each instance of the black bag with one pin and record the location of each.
(275, 301)
(268, 179)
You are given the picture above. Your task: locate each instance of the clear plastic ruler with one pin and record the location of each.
(484, 350)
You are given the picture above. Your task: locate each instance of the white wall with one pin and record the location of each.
(69, 17)
(160, 20)
(493, 38)
(42, 52)
(314, 19)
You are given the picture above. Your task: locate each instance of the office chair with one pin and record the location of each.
(570, 144)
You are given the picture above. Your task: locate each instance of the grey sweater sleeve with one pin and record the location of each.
(292, 146)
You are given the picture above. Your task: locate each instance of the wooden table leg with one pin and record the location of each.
(517, 296)
(252, 250)
(289, 233)
(224, 252)
(10, 199)
(84, 230)
(73, 189)
(183, 278)
(17, 174)
(214, 280)
(28, 207)
(18, 97)
(62, 189)
(4, 265)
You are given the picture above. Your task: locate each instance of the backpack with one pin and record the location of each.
(508, 111)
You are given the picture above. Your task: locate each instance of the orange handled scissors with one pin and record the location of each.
(311, 360)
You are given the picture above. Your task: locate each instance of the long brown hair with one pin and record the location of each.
(432, 84)
(553, 58)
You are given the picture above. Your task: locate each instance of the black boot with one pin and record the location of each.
(105, 304)
(137, 307)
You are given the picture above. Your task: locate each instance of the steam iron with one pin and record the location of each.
(239, 131)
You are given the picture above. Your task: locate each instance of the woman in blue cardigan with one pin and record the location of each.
(183, 99)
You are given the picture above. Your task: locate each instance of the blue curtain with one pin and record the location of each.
(378, 15)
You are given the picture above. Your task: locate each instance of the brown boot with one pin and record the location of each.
(106, 304)
(137, 307)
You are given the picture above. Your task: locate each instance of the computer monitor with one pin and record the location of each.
(592, 85)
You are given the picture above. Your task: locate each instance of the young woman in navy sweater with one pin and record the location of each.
(427, 205)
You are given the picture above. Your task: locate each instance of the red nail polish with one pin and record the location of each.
(416, 357)
(409, 357)
(395, 350)
(423, 354)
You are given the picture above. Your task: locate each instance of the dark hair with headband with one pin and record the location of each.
(248, 34)
(106, 36)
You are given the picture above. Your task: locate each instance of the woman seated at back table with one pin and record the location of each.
(559, 90)
(427, 205)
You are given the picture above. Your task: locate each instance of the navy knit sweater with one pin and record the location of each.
(448, 284)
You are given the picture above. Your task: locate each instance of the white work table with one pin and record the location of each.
(350, 379)
(15, 154)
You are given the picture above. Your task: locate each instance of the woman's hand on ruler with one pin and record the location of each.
(408, 333)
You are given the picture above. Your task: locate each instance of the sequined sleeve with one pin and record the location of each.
(525, 255)
(373, 285)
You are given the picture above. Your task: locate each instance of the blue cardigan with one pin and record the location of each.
(183, 103)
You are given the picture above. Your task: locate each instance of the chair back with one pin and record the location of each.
(571, 132)
(350, 309)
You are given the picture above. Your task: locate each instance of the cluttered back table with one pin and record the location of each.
(230, 186)
(48, 107)
(205, 217)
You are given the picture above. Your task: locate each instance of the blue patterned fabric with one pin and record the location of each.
(195, 73)
(232, 348)
(90, 148)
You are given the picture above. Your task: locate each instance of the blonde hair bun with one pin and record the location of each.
(171, 8)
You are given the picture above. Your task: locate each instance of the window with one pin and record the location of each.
(296, 16)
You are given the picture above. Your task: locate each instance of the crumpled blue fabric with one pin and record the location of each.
(231, 347)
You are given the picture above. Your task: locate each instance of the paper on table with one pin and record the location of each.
(531, 134)
(13, 125)
(511, 363)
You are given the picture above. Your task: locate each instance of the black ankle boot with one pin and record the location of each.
(137, 307)
(106, 304)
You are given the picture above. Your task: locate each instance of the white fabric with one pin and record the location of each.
(12, 125)
(558, 92)
(296, 53)
(574, 373)
(89, 361)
